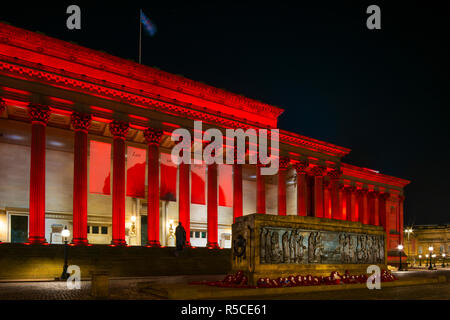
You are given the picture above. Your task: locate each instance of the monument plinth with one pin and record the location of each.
(273, 246)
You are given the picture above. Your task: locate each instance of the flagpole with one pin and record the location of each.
(140, 36)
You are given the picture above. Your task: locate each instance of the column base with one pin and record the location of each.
(36, 240)
(153, 244)
(213, 245)
(118, 242)
(80, 242)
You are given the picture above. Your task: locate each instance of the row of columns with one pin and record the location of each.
(360, 205)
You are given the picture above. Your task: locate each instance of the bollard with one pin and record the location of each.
(100, 284)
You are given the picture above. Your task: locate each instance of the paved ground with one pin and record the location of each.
(126, 289)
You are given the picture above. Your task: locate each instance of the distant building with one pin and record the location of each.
(422, 237)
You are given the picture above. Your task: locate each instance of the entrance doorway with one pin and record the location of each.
(19, 229)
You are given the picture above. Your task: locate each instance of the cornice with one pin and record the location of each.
(373, 176)
(75, 53)
(93, 86)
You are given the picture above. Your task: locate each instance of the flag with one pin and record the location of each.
(148, 25)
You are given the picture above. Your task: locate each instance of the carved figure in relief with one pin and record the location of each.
(351, 249)
(300, 248)
(369, 249)
(311, 246)
(275, 248)
(346, 249)
(381, 249)
(285, 245)
(292, 246)
(268, 251)
(262, 245)
(318, 249)
(360, 249)
(340, 247)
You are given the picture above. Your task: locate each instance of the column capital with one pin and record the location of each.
(119, 129)
(349, 189)
(153, 136)
(385, 195)
(39, 113)
(2, 105)
(81, 121)
(334, 174)
(284, 163)
(301, 166)
(372, 194)
(318, 171)
(362, 192)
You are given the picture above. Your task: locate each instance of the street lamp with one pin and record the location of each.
(65, 234)
(426, 256)
(408, 231)
(400, 248)
(420, 260)
(443, 260)
(430, 248)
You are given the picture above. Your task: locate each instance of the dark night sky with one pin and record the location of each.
(382, 93)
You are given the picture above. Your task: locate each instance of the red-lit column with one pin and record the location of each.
(376, 210)
(400, 206)
(39, 118)
(360, 202)
(382, 209)
(153, 139)
(334, 193)
(119, 130)
(364, 215)
(371, 207)
(80, 123)
(342, 202)
(212, 207)
(260, 190)
(237, 190)
(282, 170)
(184, 205)
(318, 172)
(302, 187)
(326, 199)
(350, 203)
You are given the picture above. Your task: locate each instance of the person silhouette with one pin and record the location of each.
(180, 237)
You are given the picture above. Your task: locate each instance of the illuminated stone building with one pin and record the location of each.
(85, 141)
(424, 236)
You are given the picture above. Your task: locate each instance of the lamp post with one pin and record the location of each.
(430, 248)
(408, 232)
(420, 260)
(65, 234)
(426, 260)
(400, 248)
(443, 260)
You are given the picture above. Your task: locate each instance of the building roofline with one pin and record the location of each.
(98, 59)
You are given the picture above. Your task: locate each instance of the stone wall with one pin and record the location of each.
(18, 261)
